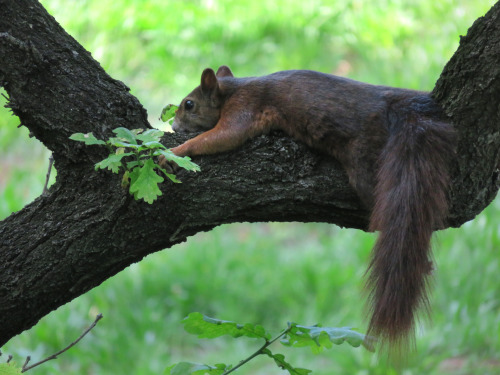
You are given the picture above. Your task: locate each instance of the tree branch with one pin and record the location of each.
(55, 86)
(469, 92)
(53, 250)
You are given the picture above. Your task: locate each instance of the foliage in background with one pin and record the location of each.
(159, 48)
(316, 337)
(306, 272)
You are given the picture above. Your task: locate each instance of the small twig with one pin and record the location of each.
(258, 352)
(28, 358)
(54, 356)
(51, 162)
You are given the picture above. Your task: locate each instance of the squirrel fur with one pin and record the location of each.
(395, 145)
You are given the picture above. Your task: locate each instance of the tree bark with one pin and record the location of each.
(468, 91)
(86, 229)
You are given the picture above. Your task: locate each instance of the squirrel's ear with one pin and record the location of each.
(224, 71)
(208, 81)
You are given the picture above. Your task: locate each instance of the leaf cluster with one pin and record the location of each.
(135, 152)
(315, 337)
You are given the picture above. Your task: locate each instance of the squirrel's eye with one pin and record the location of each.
(189, 104)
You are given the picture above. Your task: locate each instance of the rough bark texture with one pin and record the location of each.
(469, 92)
(87, 229)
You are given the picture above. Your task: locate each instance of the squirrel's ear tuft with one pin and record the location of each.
(208, 81)
(224, 71)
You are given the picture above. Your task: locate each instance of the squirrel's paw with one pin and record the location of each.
(168, 165)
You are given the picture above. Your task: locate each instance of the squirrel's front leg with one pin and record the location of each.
(223, 137)
(218, 139)
(229, 133)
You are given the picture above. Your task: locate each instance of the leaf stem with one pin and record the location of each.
(138, 158)
(109, 146)
(258, 352)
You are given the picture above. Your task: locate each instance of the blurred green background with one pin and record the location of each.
(262, 273)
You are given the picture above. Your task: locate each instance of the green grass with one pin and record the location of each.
(261, 273)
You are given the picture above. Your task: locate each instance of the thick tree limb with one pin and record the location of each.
(87, 229)
(469, 92)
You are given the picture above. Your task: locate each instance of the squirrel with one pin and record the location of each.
(395, 145)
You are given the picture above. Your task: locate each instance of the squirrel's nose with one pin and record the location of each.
(175, 126)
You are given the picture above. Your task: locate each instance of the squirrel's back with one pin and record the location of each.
(342, 117)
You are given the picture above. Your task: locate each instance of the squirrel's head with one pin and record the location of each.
(200, 110)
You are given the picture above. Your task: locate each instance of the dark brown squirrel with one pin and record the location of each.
(395, 145)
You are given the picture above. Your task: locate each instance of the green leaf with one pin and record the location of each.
(133, 176)
(186, 368)
(151, 145)
(171, 176)
(9, 369)
(319, 338)
(182, 161)
(150, 135)
(137, 131)
(112, 162)
(88, 139)
(168, 112)
(125, 180)
(132, 164)
(126, 135)
(145, 185)
(206, 327)
(279, 359)
(118, 142)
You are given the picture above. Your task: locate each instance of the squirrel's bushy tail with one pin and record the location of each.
(410, 202)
